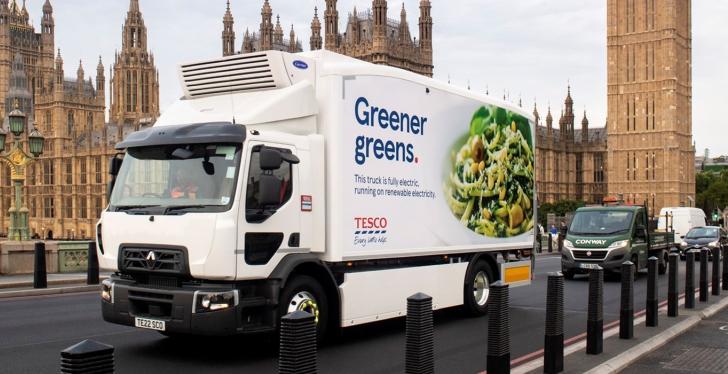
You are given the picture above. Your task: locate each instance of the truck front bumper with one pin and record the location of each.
(611, 263)
(178, 307)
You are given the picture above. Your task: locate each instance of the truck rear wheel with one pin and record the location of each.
(304, 293)
(477, 288)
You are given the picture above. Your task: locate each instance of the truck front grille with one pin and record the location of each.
(585, 254)
(153, 260)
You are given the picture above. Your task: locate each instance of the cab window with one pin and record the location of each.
(255, 211)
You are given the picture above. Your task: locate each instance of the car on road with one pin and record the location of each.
(704, 237)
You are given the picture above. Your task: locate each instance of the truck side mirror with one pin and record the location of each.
(271, 159)
(114, 167)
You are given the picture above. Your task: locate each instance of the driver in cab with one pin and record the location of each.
(183, 187)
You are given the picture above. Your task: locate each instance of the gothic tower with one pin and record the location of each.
(379, 39)
(331, 28)
(316, 40)
(135, 81)
(651, 154)
(228, 34)
(426, 33)
(266, 27)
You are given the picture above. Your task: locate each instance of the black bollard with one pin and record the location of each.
(420, 334)
(595, 316)
(92, 276)
(298, 344)
(551, 243)
(499, 328)
(40, 277)
(716, 272)
(703, 275)
(652, 303)
(672, 285)
(553, 355)
(626, 308)
(88, 357)
(690, 279)
(725, 269)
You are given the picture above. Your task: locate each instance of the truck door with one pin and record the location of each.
(270, 216)
(639, 239)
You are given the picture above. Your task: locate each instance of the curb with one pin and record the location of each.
(49, 291)
(51, 282)
(623, 360)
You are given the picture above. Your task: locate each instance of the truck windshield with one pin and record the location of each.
(601, 222)
(702, 233)
(177, 178)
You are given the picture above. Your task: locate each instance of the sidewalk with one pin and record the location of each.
(622, 354)
(22, 285)
(703, 349)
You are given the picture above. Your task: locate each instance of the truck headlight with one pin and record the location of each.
(212, 301)
(714, 244)
(107, 291)
(619, 244)
(568, 244)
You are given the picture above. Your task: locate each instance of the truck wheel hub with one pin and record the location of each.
(305, 302)
(481, 288)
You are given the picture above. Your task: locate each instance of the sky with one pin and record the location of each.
(527, 49)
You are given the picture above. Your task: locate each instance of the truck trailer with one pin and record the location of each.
(316, 182)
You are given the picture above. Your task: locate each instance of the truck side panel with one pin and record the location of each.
(397, 153)
(378, 295)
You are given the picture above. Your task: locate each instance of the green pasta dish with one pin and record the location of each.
(491, 182)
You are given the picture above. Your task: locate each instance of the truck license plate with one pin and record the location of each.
(588, 266)
(151, 324)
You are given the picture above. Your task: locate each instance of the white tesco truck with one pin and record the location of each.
(315, 182)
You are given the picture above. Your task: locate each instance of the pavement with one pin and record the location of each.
(22, 285)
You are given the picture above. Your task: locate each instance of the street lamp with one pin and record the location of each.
(18, 159)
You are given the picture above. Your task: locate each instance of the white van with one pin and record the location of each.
(681, 220)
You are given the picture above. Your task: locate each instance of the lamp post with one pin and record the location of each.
(18, 159)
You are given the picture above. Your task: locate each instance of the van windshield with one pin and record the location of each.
(177, 178)
(601, 222)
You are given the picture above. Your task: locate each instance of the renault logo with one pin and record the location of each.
(151, 259)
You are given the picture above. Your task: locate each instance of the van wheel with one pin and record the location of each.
(662, 263)
(477, 288)
(304, 293)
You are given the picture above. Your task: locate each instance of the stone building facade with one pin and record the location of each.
(267, 38)
(374, 37)
(370, 36)
(651, 152)
(65, 190)
(571, 163)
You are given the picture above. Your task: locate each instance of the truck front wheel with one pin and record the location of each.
(304, 293)
(477, 288)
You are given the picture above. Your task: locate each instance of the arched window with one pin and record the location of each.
(90, 122)
(69, 124)
(48, 122)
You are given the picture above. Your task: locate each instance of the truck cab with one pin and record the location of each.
(610, 235)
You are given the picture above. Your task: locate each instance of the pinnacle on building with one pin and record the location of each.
(135, 80)
(268, 37)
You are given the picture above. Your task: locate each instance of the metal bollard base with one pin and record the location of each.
(594, 337)
(690, 300)
(626, 324)
(672, 299)
(703, 292)
(553, 354)
(499, 364)
(651, 315)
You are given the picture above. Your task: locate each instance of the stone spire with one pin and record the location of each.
(278, 34)
(79, 77)
(535, 114)
(266, 27)
(292, 41)
(404, 33)
(331, 27)
(549, 121)
(316, 40)
(379, 39)
(100, 78)
(584, 129)
(228, 32)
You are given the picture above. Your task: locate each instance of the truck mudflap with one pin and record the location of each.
(177, 310)
(517, 273)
